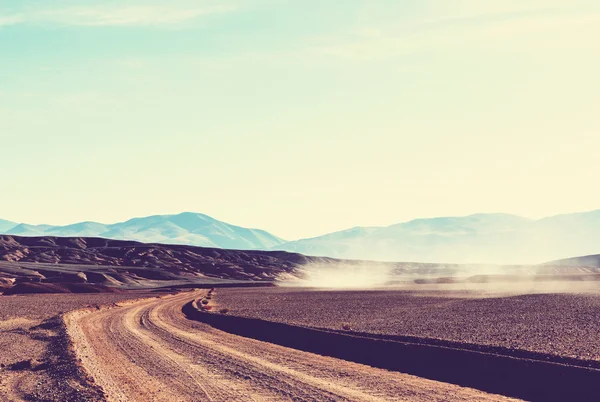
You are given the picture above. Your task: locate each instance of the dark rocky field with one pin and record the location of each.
(559, 324)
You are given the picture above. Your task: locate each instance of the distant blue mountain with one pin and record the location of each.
(185, 228)
(480, 238)
(24, 229)
(6, 225)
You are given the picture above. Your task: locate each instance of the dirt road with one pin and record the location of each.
(148, 351)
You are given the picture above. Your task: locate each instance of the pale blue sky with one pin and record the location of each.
(299, 117)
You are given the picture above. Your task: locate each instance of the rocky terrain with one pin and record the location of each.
(565, 325)
(150, 351)
(36, 357)
(39, 363)
(55, 264)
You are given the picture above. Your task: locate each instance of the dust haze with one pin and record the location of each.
(481, 279)
(341, 276)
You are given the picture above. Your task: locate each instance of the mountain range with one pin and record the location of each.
(185, 228)
(479, 238)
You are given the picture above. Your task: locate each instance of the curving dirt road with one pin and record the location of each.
(148, 351)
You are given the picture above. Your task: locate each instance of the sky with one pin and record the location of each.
(298, 117)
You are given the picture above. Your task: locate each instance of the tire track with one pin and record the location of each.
(149, 351)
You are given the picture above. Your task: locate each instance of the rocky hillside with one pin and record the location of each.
(76, 263)
(84, 264)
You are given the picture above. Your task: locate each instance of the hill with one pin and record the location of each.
(80, 264)
(86, 264)
(185, 228)
(480, 238)
(590, 261)
(6, 225)
(474, 239)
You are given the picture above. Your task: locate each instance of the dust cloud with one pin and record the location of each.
(340, 276)
(482, 279)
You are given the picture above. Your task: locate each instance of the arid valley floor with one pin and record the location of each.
(148, 350)
(199, 332)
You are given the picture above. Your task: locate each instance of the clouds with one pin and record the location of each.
(114, 15)
(462, 10)
(6, 20)
(462, 26)
(128, 16)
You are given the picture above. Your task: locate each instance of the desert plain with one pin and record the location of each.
(90, 320)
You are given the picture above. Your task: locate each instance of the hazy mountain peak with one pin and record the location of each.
(185, 228)
(28, 230)
(477, 238)
(6, 225)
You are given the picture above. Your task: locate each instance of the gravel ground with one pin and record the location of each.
(560, 324)
(36, 361)
(150, 351)
(44, 306)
